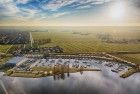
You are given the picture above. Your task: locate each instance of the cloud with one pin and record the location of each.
(22, 1)
(5, 1)
(26, 13)
(84, 7)
(135, 3)
(60, 14)
(96, 3)
(8, 7)
(54, 5)
(19, 9)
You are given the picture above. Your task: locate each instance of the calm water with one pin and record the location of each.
(104, 82)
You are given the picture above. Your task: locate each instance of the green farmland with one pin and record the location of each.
(4, 48)
(87, 39)
(73, 41)
(134, 58)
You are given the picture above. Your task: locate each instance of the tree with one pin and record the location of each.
(46, 54)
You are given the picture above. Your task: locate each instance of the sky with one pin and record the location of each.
(69, 12)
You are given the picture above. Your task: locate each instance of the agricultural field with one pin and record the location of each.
(4, 48)
(4, 60)
(134, 58)
(91, 40)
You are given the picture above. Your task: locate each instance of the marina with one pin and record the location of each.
(45, 66)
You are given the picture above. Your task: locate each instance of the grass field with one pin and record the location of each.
(73, 41)
(4, 60)
(4, 48)
(134, 58)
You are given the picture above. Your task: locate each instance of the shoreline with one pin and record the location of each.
(38, 73)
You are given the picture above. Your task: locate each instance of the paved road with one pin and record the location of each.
(31, 39)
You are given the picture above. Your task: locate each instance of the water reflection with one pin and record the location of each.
(74, 83)
(93, 82)
(62, 76)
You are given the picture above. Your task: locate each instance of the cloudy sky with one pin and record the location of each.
(69, 12)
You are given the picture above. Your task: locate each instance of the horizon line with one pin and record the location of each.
(61, 25)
